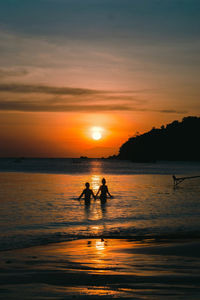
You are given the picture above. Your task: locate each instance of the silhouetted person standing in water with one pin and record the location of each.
(87, 192)
(104, 191)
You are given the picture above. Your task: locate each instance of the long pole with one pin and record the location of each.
(180, 179)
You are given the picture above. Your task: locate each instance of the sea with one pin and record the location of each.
(38, 201)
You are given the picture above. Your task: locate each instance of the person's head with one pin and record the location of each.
(87, 185)
(103, 181)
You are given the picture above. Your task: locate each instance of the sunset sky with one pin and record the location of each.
(67, 66)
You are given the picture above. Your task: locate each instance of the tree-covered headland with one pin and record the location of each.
(175, 141)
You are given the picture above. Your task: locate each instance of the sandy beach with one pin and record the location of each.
(103, 268)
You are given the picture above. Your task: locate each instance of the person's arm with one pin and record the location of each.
(81, 195)
(98, 191)
(109, 193)
(93, 195)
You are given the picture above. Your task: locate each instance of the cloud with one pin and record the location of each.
(6, 72)
(20, 88)
(172, 111)
(42, 98)
(22, 97)
(39, 106)
(52, 90)
(32, 107)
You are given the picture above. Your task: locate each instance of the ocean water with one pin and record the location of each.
(38, 201)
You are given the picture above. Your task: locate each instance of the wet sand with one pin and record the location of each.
(103, 269)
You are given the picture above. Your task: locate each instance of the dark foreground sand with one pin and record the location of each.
(109, 268)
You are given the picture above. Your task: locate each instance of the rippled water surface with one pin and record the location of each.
(38, 208)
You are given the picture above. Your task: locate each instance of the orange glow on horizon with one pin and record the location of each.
(69, 134)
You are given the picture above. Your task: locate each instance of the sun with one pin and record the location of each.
(96, 133)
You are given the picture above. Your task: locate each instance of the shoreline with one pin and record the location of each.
(168, 238)
(103, 269)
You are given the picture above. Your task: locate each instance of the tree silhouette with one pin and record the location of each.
(176, 141)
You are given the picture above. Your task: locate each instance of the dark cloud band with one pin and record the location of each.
(38, 98)
(17, 88)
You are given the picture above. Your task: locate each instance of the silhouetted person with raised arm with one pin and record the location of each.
(87, 193)
(104, 192)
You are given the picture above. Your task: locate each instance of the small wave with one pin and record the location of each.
(21, 241)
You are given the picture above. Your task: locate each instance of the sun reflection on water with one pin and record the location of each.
(95, 182)
(97, 256)
(95, 291)
(96, 229)
(95, 167)
(100, 245)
